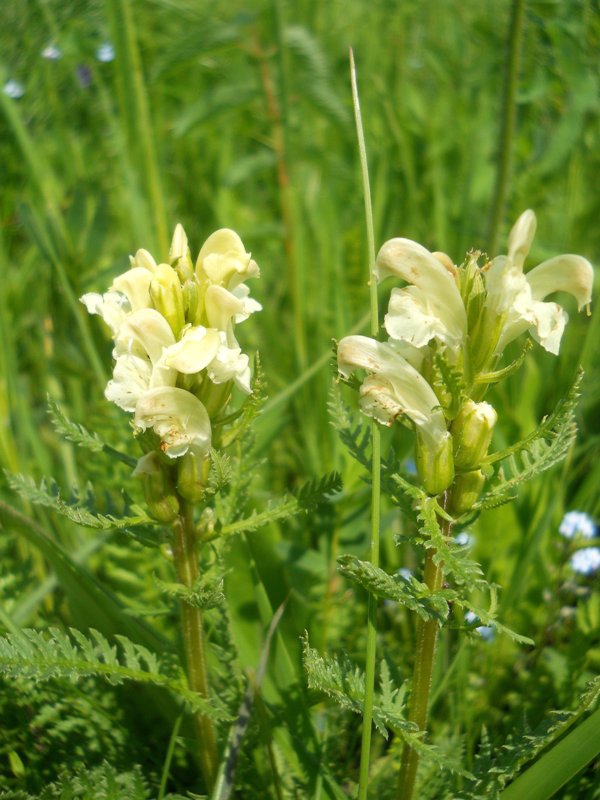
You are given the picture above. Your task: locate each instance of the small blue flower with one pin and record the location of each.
(577, 522)
(486, 632)
(405, 573)
(586, 561)
(464, 539)
(52, 53)
(14, 89)
(105, 53)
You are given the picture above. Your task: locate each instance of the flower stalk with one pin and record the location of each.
(426, 645)
(194, 640)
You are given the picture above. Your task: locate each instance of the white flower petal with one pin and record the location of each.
(409, 319)
(224, 260)
(113, 307)
(177, 417)
(566, 273)
(145, 332)
(135, 285)
(194, 351)
(131, 379)
(438, 294)
(144, 260)
(394, 387)
(230, 364)
(222, 307)
(179, 244)
(521, 237)
(550, 322)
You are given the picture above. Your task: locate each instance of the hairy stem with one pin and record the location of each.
(427, 632)
(186, 563)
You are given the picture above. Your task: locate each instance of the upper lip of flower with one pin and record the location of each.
(431, 307)
(520, 296)
(393, 385)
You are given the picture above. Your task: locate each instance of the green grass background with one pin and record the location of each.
(239, 115)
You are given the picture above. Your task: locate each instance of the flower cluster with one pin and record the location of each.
(579, 525)
(447, 329)
(176, 355)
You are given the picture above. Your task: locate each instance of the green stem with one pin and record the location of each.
(365, 750)
(427, 632)
(186, 563)
(507, 121)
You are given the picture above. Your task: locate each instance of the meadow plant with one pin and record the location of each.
(176, 363)
(447, 330)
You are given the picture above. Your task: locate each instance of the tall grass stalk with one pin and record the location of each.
(365, 749)
(507, 122)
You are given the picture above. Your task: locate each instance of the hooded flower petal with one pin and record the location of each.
(131, 379)
(224, 261)
(432, 307)
(144, 333)
(567, 273)
(177, 417)
(113, 307)
(135, 285)
(196, 349)
(393, 387)
(519, 297)
(230, 364)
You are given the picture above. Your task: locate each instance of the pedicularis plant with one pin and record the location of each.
(447, 330)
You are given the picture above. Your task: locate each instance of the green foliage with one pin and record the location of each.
(344, 683)
(101, 783)
(245, 125)
(493, 771)
(410, 592)
(37, 655)
(82, 510)
(538, 452)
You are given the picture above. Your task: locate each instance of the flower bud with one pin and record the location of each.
(191, 301)
(435, 464)
(192, 474)
(159, 491)
(472, 434)
(167, 296)
(466, 491)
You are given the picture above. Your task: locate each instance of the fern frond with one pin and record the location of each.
(54, 654)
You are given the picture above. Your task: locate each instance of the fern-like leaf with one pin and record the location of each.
(54, 654)
(306, 498)
(345, 684)
(541, 450)
(409, 592)
(79, 435)
(495, 768)
(47, 494)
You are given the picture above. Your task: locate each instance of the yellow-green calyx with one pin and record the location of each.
(472, 432)
(159, 490)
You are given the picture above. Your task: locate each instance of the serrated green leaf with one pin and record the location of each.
(51, 654)
(413, 594)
